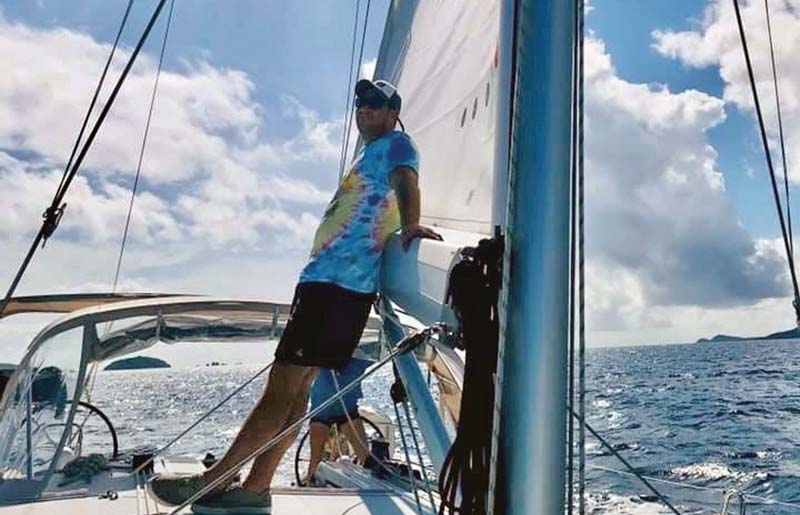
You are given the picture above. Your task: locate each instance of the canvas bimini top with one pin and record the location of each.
(46, 386)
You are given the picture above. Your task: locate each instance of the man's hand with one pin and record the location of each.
(418, 231)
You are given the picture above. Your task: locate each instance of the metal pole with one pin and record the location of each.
(29, 433)
(431, 425)
(532, 437)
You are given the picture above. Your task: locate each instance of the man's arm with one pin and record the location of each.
(404, 182)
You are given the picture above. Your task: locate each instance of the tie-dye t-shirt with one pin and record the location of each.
(362, 215)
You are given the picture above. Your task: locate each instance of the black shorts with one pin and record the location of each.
(325, 325)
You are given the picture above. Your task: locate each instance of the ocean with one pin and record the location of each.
(697, 419)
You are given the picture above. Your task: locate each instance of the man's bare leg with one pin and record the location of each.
(358, 438)
(318, 434)
(264, 467)
(268, 417)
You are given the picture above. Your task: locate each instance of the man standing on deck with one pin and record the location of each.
(332, 301)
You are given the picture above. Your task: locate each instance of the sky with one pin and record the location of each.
(243, 155)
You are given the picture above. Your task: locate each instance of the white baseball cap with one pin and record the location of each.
(385, 88)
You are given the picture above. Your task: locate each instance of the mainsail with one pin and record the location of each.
(443, 56)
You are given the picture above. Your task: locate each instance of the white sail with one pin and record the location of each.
(442, 55)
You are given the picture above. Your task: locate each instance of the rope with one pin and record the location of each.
(473, 292)
(144, 145)
(780, 127)
(767, 154)
(630, 467)
(352, 111)
(404, 346)
(345, 131)
(53, 214)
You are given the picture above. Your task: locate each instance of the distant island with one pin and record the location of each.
(781, 335)
(137, 363)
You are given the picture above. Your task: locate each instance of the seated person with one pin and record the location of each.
(323, 389)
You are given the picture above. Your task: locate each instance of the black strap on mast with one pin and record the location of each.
(473, 291)
(52, 215)
(771, 168)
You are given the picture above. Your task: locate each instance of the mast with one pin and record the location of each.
(531, 446)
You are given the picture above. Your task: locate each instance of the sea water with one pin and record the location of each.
(713, 416)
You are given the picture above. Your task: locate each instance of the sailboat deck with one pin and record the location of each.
(360, 494)
(284, 501)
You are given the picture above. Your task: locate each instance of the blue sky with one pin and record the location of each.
(302, 48)
(244, 155)
(626, 27)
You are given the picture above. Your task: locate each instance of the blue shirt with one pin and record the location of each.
(362, 215)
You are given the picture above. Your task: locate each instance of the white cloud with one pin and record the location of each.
(663, 237)
(716, 42)
(93, 213)
(206, 172)
(216, 203)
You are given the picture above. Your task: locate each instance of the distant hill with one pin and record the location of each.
(137, 363)
(780, 335)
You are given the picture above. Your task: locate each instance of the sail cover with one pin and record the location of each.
(442, 55)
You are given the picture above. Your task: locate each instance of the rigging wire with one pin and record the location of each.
(422, 465)
(404, 346)
(411, 477)
(572, 286)
(780, 126)
(95, 366)
(203, 417)
(85, 122)
(52, 215)
(630, 467)
(581, 270)
(143, 146)
(351, 113)
(689, 486)
(378, 462)
(95, 95)
(767, 154)
(345, 131)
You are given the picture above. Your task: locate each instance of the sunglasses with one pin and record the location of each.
(371, 100)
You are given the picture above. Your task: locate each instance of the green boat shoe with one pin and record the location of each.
(236, 501)
(175, 490)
